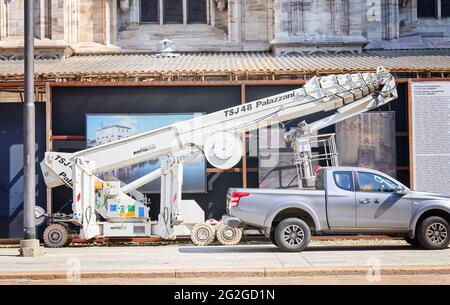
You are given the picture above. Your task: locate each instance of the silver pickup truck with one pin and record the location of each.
(346, 200)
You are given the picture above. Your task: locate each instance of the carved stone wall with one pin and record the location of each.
(310, 25)
(95, 26)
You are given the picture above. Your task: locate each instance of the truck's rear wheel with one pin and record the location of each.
(292, 235)
(56, 236)
(202, 234)
(227, 235)
(433, 233)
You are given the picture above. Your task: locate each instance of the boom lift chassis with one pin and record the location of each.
(109, 208)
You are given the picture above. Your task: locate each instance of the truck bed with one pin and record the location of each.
(260, 204)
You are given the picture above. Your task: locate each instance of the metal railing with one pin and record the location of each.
(313, 151)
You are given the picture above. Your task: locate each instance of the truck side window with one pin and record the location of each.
(368, 182)
(344, 180)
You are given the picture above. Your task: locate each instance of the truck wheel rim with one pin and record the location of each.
(437, 233)
(293, 235)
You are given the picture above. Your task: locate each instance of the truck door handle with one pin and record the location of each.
(376, 201)
(364, 201)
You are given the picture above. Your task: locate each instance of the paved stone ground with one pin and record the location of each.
(425, 279)
(250, 256)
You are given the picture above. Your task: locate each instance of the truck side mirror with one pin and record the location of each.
(401, 190)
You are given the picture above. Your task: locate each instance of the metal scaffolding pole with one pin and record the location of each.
(30, 245)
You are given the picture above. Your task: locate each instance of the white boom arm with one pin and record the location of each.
(217, 134)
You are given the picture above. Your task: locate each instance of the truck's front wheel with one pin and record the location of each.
(292, 235)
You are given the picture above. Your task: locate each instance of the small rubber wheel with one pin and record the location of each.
(202, 234)
(433, 233)
(227, 235)
(56, 236)
(292, 235)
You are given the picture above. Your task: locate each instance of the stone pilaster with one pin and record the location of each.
(106, 21)
(14, 18)
(56, 21)
(134, 13)
(43, 18)
(71, 21)
(345, 13)
(296, 23)
(337, 16)
(235, 21)
(39, 19)
(212, 13)
(99, 19)
(357, 14)
(3, 19)
(390, 19)
(270, 20)
(113, 21)
(281, 20)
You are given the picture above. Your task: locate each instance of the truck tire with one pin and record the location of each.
(202, 234)
(292, 235)
(227, 235)
(56, 236)
(433, 233)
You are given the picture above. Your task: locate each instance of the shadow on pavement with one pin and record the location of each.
(226, 249)
(360, 248)
(250, 249)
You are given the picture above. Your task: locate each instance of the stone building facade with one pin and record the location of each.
(64, 27)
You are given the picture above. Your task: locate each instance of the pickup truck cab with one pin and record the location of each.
(345, 200)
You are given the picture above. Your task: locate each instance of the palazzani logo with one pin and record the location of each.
(144, 149)
(277, 99)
